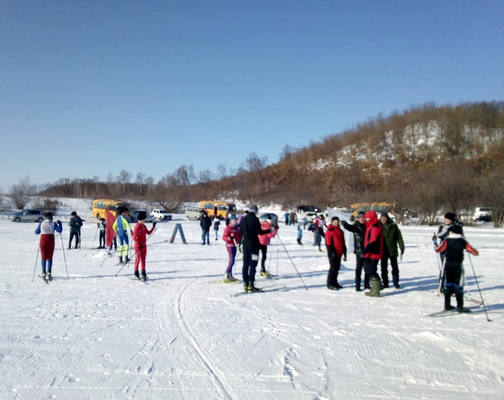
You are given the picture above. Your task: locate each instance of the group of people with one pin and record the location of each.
(47, 228)
(375, 240)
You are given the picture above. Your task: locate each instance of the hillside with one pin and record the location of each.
(427, 159)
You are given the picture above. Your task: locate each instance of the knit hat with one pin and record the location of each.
(48, 215)
(253, 208)
(451, 216)
(73, 214)
(361, 214)
(142, 215)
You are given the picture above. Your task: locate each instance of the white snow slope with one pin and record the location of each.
(184, 336)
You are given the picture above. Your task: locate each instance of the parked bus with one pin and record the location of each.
(98, 207)
(217, 209)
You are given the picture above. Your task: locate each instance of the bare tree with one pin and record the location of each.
(21, 192)
(184, 175)
(255, 163)
(140, 178)
(205, 176)
(221, 171)
(124, 176)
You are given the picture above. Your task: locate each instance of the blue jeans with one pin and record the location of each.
(250, 260)
(205, 236)
(216, 234)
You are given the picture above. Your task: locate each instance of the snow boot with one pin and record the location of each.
(233, 278)
(375, 288)
(330, 287)
(49, 276)
(447, 300)
(246, 287)
(120, 260)
(253, 289)
(137, 274)
(228, 278)
(265, 273)
(144, 276)
(127, 259)
(460, 302)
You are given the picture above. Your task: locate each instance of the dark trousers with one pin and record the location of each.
(371, 267)
(102, 239)
(76, 236)
(453, 277)
(264, 255)
(205, 236)
(250, 260)
(334, 267)
(384, 270)
(358, 273)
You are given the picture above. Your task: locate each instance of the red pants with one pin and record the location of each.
(46, 247)
(140, 256)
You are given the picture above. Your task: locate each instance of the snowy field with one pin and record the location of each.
(185, 336)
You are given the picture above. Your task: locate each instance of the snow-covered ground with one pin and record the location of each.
(185, 336)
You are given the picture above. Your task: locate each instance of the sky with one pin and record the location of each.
(93, 87)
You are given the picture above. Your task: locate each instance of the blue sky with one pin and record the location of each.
(92, 87)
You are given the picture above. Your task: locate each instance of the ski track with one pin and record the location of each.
(185, 337)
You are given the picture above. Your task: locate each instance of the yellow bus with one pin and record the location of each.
(379, 207)
(98, 207)
(217, 209)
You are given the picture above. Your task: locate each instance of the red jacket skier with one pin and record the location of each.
(373, 251)
(140, 237)
(232, 236)
(335, 243)
(265, 240)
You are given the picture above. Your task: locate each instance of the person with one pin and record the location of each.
(454, 246)
(299, 235)
(140, 237)
(205, 223)
(250, 228)
(216, 225)
(336, 248)
(292, 218)
(75, 224)
(358, 228)
(305, 222)
(264, 241)
(318, 231)
(121, 227)
(449, 221)
(102, 227)
(232, 237)
(373, 251)
(46, 230)
(286, 216)
(392, 237)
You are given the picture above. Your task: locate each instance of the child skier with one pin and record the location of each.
(232, 237)
(140, 237)
(454, 246)
(336, 248)
(121, 227)
(46, 231)
(216, 225)
(299, 235)
(102, 227)
(265, 240)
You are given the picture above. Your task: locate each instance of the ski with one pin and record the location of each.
(134, 278)
(228, 282)
(44, 279)
(446, 313)
(242, 293)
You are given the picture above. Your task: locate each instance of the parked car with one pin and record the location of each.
(28, 216)
(161, 215)
(271, 217)
(133, 217)
(482, 214)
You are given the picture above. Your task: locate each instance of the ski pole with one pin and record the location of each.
(479, 290)
(120, 269)
(64, 256)
(441, 277)
(292, 261)
(36, 259)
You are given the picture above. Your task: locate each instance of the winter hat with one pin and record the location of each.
(253, 208)
(334, 219)
(451, 216)
(48, 215)
(361, 214)
(384, 214)
(73, 214)
(457, 229)
(142, 215)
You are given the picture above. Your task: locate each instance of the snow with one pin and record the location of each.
(185, 336)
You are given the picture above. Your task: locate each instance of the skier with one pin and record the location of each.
(205, 223)
(121, 227)
(250, 228)
(265, 240)
(216, 225)
(336, 248)
(140, 237)
(299, 235)
(75, 224)
(232, 236)
(102, 226)
(46, 230)
(453, 246)
(286, 217)
(318, 231)
(358, 229)
(392, 237)
(373, 251)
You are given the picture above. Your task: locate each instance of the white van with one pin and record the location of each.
(192, 212)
